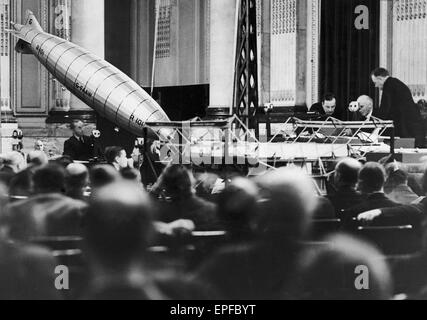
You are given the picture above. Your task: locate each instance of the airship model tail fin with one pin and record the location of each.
(22, 46)
(31, 21)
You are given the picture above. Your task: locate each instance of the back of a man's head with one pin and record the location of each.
(118, 224)
(37, 158)
(21, 185)
(329, 272)
(131, 175)
(238, 206)
(380, 72)
(288, 201)
(63, 161)
(103, 175)
(177, 182)
(372, 178)
(396, 175)
(49, 179)
(346, 173)
(76, 176)
(111, 153)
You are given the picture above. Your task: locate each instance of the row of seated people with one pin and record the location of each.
(266, 255)
(358, 188)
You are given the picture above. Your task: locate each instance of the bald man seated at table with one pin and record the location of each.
(365, 109)
(362, 111)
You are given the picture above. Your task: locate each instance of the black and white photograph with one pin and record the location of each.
(213, 154)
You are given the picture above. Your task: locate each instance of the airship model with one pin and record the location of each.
(103, 87)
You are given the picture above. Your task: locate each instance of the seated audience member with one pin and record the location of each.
(237, 209)
(330, 272)
(13, 162)
(102, 175)
(48, 213)
(76, 181)
(345, 194)
(263, 269)
(324, 209)
(26, 272)
(63, 161)
(179, 201)
(327, 107)
(209, 186)
(371, 184)
(21, 185)
(117, 230)
(116, 156)
(39, 146)
(131, 175)
(396, 186)
(37, 159)
(152, 167)
(414, 215)
(49, 179)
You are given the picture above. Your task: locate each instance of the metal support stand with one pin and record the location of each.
(246, 77)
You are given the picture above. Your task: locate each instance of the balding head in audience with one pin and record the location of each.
(238, 207)
(346, 173)
(332, 271)
(372, 178)
(289, 199)
(396, 174)
(76, 180)
(118, 225)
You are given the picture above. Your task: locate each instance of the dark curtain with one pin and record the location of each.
(117, 52)
(182, 103)
(348, 55)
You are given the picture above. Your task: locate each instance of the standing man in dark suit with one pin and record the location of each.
(78, 147)
(397, 104)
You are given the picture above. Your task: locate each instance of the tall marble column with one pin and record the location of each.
(264, 50)
(87, 31)
(222, 52)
